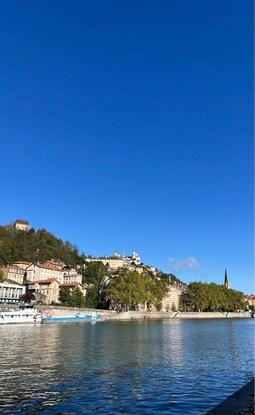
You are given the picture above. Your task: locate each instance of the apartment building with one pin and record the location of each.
(14, 273)
(40, 272)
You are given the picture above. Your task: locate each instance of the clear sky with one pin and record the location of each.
(127, 125)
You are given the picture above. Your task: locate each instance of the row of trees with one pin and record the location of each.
(211, 297)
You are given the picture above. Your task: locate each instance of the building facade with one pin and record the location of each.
(171, 301)
(46, 290)
(14, 273)
(118, 261)
(21, 225)
(40, 272)
(11, 293)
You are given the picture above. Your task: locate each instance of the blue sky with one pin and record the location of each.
(128, 126)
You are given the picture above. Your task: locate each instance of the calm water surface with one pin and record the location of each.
(169, 367)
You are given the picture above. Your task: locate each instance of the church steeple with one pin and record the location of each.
(226, 280)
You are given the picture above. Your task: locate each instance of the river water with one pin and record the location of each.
(158, 367)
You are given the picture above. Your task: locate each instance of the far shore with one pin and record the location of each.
(143, 315)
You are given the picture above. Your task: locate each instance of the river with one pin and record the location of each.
(150, 367)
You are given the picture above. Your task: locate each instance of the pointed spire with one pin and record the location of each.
(226, 280)
(226, 277)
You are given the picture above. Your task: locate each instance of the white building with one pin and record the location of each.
(22, 225)
(70, 276)
(40, 272)
(10, 292)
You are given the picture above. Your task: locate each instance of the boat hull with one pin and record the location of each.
(72, 318)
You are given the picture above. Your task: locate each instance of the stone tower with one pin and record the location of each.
(226, 280)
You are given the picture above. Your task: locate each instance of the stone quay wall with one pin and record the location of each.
(139, 315)
(143, 315)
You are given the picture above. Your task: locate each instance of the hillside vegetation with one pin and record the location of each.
(35, 246)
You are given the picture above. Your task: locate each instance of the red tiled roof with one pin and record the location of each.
(50, 266)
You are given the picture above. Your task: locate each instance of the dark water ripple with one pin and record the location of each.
(171, 367)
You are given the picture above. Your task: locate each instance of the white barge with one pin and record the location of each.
(22, 316)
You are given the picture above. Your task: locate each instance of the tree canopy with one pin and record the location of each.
(35, 246)
(199, 296)
(128, 289)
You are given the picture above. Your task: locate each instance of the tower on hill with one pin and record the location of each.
(226, 280)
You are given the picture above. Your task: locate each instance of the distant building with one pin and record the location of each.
(14, 273)
(10, 292)
(70, 276)
(21, 225)
(171, 301)
(251, 299)
(45, 271)
(118, 261)
(45, 290)
(227, 283)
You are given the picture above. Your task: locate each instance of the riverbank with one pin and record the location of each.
(140, 315)
(240, 403)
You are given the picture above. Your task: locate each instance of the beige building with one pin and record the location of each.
(171, 301)
(10, 292)
(39, 272)
(21, 225)
(46, 290)
(118, 261)
(14, 273)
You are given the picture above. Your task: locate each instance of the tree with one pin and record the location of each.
(65, 296)
(129, 289)
(77, 298)
(211, 297)
(1, 275)
(96, 275)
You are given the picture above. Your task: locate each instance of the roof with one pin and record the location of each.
(48, 266)
(48, 281)
(22, 262)
(22, 221)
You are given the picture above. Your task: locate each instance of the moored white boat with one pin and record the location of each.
(22, 316)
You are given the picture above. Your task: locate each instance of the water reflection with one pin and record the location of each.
(171, 367)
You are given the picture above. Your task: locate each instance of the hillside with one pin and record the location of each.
(35, 246)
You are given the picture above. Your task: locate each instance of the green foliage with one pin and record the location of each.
(35, 246)
(65, 295)
(128, 289)
(1, 275)
(96, 275)
(71, 298)
(211, 297)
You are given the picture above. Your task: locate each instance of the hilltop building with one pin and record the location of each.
(227, 283)
(118, 261)
(21, 225)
